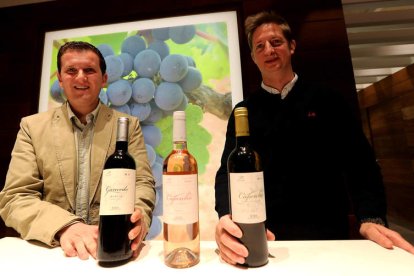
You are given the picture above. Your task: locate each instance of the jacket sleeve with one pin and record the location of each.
(21, 204)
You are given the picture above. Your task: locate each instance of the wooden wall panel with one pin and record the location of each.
(392, 86)
(388, 106)
(400, 205)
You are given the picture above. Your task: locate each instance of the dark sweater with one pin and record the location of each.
(318, 165)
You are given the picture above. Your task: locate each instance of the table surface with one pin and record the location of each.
(350, 257)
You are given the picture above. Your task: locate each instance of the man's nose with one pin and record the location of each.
(269, 49)
(82, 75)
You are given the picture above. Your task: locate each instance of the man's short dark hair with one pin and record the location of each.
(252, 22)
(80, 46)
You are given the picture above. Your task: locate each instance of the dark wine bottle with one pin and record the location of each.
(246, 192)
(117, 200)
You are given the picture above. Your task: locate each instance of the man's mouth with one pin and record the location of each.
(271, 60)
(82, 87)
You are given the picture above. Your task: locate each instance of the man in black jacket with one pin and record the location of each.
(317, 163)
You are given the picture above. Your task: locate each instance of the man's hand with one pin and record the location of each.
(385, 237)
(227, 235)
(80, 240)
(138, 232)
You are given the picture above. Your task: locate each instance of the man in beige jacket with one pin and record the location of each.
(53, 185)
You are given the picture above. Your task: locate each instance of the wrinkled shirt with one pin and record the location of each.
(83, 140)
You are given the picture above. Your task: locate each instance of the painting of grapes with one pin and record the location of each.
(157, 67)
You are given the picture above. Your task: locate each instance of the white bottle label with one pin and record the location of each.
(180, 199)
(118, 192)
(247, 197)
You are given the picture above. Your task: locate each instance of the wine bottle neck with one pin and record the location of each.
(122, 134)
(179, 130)
(242, 126)
(242, 141)
(121, 146)
(180, 145)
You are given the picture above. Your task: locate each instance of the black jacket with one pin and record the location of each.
(318, 165)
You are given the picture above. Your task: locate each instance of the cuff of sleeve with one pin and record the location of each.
(379, 221)
(56, 238)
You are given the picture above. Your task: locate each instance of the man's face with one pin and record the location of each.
(81, 78)
(270, 50)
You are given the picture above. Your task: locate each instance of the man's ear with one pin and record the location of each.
(292, 46)
(104, 80)
(59, 77)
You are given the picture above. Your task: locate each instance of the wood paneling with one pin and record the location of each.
(388, 108)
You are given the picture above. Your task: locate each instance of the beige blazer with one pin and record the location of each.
(38, 198)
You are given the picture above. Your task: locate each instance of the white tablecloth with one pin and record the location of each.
(358, 257)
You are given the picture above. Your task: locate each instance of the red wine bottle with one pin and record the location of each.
(246, 188)
(117, 200)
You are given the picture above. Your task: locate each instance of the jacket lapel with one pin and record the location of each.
(104, 130)
(64, 144)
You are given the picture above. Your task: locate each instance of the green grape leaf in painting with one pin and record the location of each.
(209, 48)
(198, 138)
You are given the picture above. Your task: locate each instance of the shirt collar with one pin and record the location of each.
(285, 89)
(91, 117)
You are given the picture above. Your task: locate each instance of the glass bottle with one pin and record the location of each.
(117, 200)
(246, 192)
(181, 231)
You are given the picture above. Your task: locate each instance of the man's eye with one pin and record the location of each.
(259, 47)
(276, 42)
(89, 70)
(71, 71)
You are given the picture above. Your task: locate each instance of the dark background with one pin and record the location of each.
(322, 52)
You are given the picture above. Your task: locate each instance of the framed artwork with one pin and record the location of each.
(156, 67)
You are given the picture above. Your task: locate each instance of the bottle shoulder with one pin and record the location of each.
(244, 159)
(120, 155)
(180, 154)
(180, 161)
(120, 160)
(244, 150)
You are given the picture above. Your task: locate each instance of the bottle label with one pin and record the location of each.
(118, 192)
(180, 199)
(247, 197)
